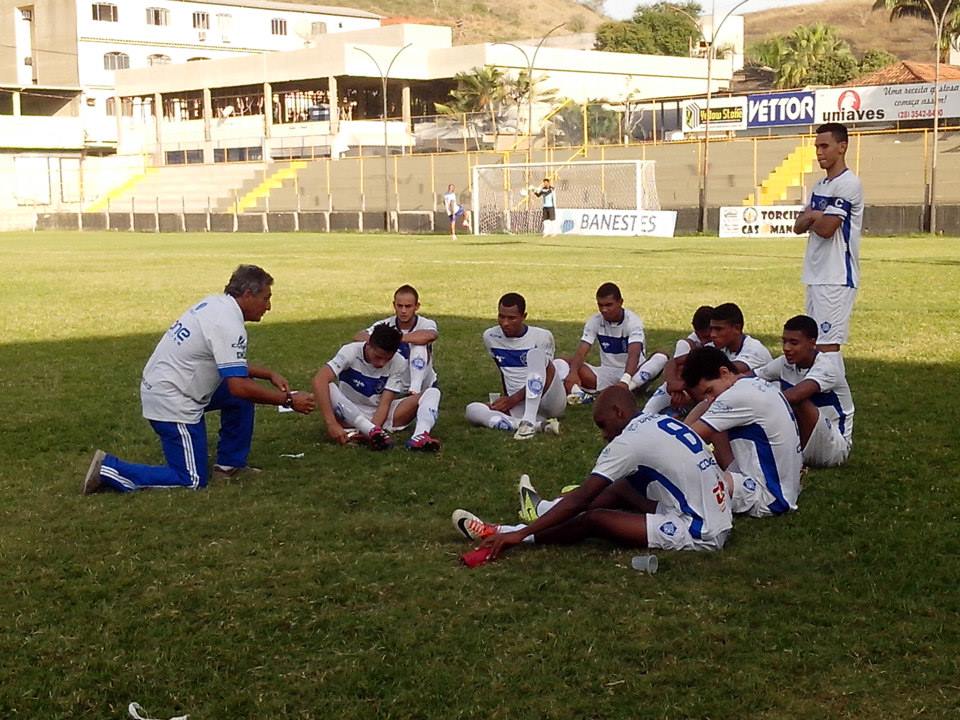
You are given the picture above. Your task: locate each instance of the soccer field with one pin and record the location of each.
(328, 586)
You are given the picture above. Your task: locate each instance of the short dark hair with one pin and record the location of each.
(704, 364)
(838, 130)
(729, 313)
(386, 337)
(702, 317)
(609, 289)
(248, 278)
(804, 324)
(407, 290)
(512, 299)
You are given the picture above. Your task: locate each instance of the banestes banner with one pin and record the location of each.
(886, 103)
(778, 109)
(656, 223)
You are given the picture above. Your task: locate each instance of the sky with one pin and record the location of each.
(623, 9)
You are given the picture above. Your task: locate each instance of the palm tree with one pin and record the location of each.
(919, 9)
(483, 89)
(804, 47)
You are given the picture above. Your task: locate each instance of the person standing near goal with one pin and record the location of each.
(833, 218)
(454, 210)
(547, 197)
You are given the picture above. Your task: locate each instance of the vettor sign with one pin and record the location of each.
(573, 221)
(779, 109)
(886, 103)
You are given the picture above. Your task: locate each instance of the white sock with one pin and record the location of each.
(536, 377)
(419, 358)
(544, 506)
(349, 413)
(479, 414)
(648, 370)
(427, 411)
(513, 528)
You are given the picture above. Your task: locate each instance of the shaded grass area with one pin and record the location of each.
(329, 587)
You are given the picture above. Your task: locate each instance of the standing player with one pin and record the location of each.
(548, 198)
(200, 365)
(654, 485)
(833, 218)
(673, 392)
(416, 346)
(753, 432)
(815, 385)
(726, 334)
(619, 332)
(360, 386)
(532, 380)
(454, 210)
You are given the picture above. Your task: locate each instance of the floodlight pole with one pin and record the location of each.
(386, 161)
(938, 25)
(531, 61)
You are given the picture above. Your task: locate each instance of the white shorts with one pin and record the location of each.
(826, 447)
(553, 403)
(671, 531)
(831, 306)
(751, 496)
(606, 376)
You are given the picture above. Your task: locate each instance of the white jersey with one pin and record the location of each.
(613, 338)
(752, 352)
(685, 345)
(834, 397)
(419, 323)
(666, 461)
(836, 260)
(207, 344)
(450, 203)
(510, 353)
(763, 436)
(360, 381)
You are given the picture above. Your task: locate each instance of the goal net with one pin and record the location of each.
(503, 199)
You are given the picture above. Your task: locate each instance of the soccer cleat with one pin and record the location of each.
(579, 396)
(472, 527)
(225, 472)
(354, 437)
(568, 489)
(423, 443)
(529, 500)
(379, 439)
(525, 431)
(91, 481)
(551, 427)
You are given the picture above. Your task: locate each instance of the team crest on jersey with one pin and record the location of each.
(241, 347)
(418, 363)
(825, 326)
(669, 529)
(749, 484)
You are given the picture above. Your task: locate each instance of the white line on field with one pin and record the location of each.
(500, 263)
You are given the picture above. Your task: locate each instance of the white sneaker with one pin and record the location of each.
(472, 527)
(551, 427)
(526, 430)
(529, 500)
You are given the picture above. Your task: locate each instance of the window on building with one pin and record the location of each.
(318, 28)
(116, 61)
(26, 14)
(225, 26)
(201, 21)
(158, 16)
(158, 59)
(278, 26)
(105, 12)
(110, 107)
(197, 59)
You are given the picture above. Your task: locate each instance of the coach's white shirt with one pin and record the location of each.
(207, 344)
(510, 353)
(614, 338)
(763, 436)
(752, 352)
(836, 260)
(668, 462)
(360, 381)
(834, 397)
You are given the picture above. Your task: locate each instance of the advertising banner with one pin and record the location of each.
(574, 221)
(886, 103)
(726, 113)
(779, 109)
(759, 220)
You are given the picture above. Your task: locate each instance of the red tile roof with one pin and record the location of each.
(907, 72)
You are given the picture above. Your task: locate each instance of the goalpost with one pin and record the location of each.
(503, 201)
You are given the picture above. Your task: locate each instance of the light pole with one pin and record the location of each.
(386, 162)
(938, 23)
(531, 61)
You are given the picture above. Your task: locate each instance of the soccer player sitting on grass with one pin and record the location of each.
(619, 332)
(532, 380)
(361, 388)
(673, 392)
(654, 485)
(416, 345)
(753, 431)
(815, 385)
(200, 365)
(726, 333)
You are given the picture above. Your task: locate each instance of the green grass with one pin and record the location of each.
(329, 588)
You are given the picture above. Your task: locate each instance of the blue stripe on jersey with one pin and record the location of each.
(646, 475)
(822, 202)
(233, 371)
(612, 345)
(768, 463)
(404, 349)
(505, 357)
(830, 399)
(363, 384)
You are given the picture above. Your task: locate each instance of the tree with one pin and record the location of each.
(768, 53)
(875, 60)
(626, 37)
(482, 89)
(832, 70)
(918, 9)
(805, 47)
(662, 29)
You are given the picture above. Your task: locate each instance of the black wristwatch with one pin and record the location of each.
(289, 401)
